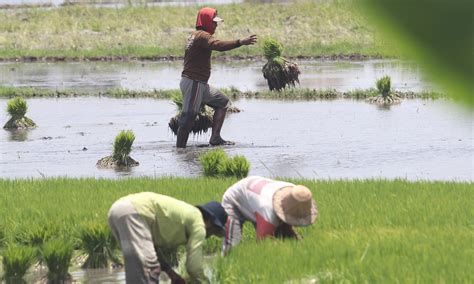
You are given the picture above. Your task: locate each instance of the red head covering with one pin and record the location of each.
(205, 19)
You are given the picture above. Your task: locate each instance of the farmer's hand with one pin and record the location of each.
(251, 40)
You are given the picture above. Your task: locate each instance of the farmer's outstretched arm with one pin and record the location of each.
(224, 45)
(194, 257)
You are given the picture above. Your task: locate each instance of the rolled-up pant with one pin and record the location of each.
(136, 242)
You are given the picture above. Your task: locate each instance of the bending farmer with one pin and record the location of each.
(145, 222)
(272, 206)
(197, 70)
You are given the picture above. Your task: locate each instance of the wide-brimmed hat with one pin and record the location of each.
(295, 205)
(217, 213)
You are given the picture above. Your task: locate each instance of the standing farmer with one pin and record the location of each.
(145, 222)
(196, 73)
(272, 206)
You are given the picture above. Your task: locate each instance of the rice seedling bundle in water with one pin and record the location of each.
(216, 163)
(99, 244)
(57, 255)
(16, 261)
(17, 108)
(278, 71)
(386, 96)
(121, 151)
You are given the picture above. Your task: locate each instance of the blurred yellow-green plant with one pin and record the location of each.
(438, 34)
(123, 145)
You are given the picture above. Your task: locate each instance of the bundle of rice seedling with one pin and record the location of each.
(57, 255)
(216, 163)
(16, 261)
(121, 151)
(278, 71)
(386, 96)
(17, 109)
(99, 244)
(202, 122)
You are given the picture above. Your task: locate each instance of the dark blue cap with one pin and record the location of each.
(216, 211)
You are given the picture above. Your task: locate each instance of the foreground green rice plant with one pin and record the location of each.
(36, 235)
(121, 150)
(211, 161)
(17, 108)
(57, 255)
(99, 244)
(16, 261)
(216, 163)
(385, 94)
(238, 166)
(278, 71)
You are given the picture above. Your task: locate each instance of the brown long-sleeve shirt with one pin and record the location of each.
(197, 57)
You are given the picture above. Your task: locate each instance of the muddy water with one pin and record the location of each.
(94, 76)
(417, 139)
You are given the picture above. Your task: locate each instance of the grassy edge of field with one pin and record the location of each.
(233, 93)
(367, 230)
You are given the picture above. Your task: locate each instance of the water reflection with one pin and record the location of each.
(17, 134)
(246, 75)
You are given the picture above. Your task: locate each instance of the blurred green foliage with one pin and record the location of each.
(438, 33)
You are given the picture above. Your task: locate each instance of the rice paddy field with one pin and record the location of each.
(305, 28)
(375, 231)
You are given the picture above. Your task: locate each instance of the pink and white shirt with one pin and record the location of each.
(251, 199)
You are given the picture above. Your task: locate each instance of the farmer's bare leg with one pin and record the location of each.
(183, 133)
(217, 100)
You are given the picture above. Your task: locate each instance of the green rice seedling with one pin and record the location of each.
(121, 150)
(238, 166)
(17, 108)
(57, 255)
(278, 71)
(386, 96)
(123, 145)
(99, 244)
(211, 161)
(36, 235)
(16, 261)
(2, 237)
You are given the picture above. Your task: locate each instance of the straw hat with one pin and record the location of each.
(295, 205)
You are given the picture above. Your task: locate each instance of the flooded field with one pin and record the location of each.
(417, 139)
(246, 75)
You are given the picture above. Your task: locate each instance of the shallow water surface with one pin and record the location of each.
(244, 75)
(418, 139)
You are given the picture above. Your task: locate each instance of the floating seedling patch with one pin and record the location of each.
(386, 96)
(278, 71)
(17, 108)
(122, 148)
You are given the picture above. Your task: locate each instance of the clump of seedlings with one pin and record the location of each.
(17, 108)
(99, 244)
(57, 255)
(16, 261)
(216, 163)
(278, 71)
(120, 156)
(202, 122)
(386, 96)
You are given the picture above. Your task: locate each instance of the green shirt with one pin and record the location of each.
(174, 223)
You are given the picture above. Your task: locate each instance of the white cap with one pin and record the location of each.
(217, 19)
